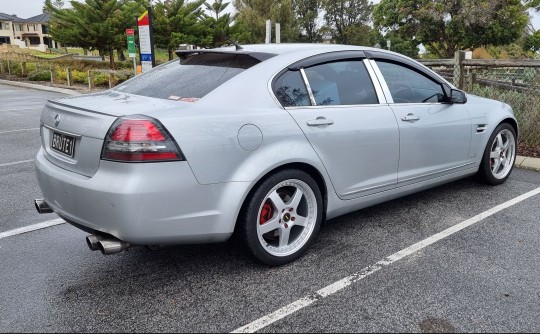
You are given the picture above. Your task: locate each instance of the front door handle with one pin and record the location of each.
(320, 121)
(410, 118)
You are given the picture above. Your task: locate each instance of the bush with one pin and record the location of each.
(39, 76)
(101, 79)
(79, 76)
(123, 76)
(60, 75)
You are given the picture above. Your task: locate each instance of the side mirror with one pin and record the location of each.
(458, 96)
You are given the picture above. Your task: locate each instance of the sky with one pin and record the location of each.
(29, 8)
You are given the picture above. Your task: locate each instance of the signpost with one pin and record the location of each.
(146, 45)
(130, 33)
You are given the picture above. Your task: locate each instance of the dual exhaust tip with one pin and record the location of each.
(107, 245)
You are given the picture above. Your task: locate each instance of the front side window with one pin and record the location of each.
(341, 83)
(409, 86)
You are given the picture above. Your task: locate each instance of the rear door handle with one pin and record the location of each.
(410, 118)
(320, 121)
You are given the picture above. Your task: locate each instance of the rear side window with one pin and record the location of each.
(341, 83)
(192, 78)
(291, 90)
(336, 83)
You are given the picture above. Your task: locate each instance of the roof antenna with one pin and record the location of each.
(238, 47)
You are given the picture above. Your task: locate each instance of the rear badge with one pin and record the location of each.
(57, 120)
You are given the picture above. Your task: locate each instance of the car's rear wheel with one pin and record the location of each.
(499, 155)
(282, 217)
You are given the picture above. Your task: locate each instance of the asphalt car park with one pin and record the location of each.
(482, 278)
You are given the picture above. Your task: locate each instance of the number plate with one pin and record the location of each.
(63, 144)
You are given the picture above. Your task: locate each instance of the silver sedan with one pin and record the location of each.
(265, 141)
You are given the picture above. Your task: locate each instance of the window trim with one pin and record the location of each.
(308, 87)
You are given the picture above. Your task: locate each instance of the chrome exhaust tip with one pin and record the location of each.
(93, 242)
(109, 246)
(42, 206)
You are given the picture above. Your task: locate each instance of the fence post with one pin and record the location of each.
(2, 67)
(24, 72)
(69, 77)
(90, 79)
(52, 74)
(9, 66)
(111, 76)
(459, 57)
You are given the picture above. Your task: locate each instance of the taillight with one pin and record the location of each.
(139, 139)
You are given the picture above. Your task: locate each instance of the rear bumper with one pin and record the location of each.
(144, 204)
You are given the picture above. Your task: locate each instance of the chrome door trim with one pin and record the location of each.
(308, 86)
(336, 106)
(351, 193)
(375, 82)
(382, 82)
(444, 171)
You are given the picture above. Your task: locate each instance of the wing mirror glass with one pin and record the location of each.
(458, 96)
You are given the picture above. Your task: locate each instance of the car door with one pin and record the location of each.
(435, 136)
(338, 108)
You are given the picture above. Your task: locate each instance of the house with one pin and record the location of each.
(7, 35)
(26, 33)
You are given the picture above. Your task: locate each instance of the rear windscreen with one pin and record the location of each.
(190, 78)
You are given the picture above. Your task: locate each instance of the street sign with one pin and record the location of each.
(131, 42)
(145, 41)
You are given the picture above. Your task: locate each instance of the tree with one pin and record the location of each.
(348, 20)
(532, 42)
(222, 28)
(254, 13)
(534, 4)
(217, 7)
(58, 4)
(307, 14)
(406, 47)
(447, 26)
(94, 24)
(179, 22)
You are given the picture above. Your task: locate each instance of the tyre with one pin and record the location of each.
(499, 156)
(282, 217)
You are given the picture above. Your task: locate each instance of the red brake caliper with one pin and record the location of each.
(266, 213)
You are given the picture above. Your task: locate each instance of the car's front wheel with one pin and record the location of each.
(282, 217)
(499, 155)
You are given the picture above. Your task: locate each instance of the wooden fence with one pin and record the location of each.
(515, 82)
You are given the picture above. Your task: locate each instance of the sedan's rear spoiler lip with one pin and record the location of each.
(260, 56)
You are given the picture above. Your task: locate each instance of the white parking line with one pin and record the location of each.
(37, 107)
(32, 129)
(16, 163)
(342, 284)
(31, 228)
